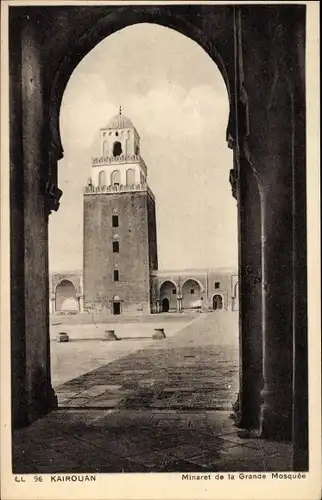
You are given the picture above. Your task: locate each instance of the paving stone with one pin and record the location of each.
(96, 390)
(153, 415)
(185, 451)
(131, 372)
(242, 458)
(76, 402)
(165, 441)
(105, 403)
(153, 458)
(266, 445)
(179, 388)
(114, 464)
(177, 465)
(206, 458)
(125, 447)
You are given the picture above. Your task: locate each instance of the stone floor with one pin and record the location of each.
(86, 351)
(164, 408)
(142, 441)
(195, 368)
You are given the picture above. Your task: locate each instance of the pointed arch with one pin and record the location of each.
(218, 302)
(102, 178)
(65, 296)
(168, 295)
(117, 148)
(115, 177)
(130, 176)
(191, 294)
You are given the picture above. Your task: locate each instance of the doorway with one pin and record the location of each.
(116, 308)
(165, 305)
(217, 302)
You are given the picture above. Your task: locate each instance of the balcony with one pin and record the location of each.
(107, 160)
(117, 188)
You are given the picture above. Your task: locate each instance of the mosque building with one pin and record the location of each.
(120, 259)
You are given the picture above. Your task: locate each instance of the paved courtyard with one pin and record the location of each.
(165, 407)
(196, 367)
(86, 350)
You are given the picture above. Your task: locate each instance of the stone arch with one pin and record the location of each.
(109, 24)
(102, 178)
(115, 177)
(130, 176)
(196, 280)
(168, 293)
(65, 296)
(117, 149)
(191, 294)
(42, 399)
(218, 302)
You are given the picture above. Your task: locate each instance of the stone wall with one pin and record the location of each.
(133, 259)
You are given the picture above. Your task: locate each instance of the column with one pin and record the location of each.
(277, 394)
(264, 125)
(39, 395)
(17, 268)
(81, 303)
(276, 160)
(250, 298)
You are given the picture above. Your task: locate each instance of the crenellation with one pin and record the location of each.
(90, 189)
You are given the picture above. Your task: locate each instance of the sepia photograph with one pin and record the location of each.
(158, 292)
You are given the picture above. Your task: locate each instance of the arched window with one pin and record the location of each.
(102, 178)
(117, 148)
(116, 178)
(130, 176)
(105, 148)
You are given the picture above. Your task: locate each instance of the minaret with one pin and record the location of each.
(120, 246)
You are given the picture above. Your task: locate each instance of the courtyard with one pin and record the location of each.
(86, 351)
(144, 405)
(195, 366)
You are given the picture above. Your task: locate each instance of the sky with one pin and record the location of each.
(177, 100)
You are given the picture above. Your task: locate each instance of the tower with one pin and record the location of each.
(120, 245)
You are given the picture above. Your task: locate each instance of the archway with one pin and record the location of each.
(128, 16)
(168, 296)
(217, 302)
(191, 294)
(192, 290)
(65, 297)
(116, 305)
(28, 136)
(165, 304)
